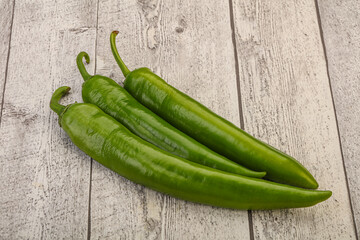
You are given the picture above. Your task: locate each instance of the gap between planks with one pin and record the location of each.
(92, 160)
(335, 113)
(7, 62)
(241, 115)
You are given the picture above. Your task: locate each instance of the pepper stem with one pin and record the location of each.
(57, 95)
(115, 52)
(79, 61)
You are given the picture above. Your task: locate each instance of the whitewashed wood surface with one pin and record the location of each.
(340, 22)
(285, 71)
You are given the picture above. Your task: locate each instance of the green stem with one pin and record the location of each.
(79, 61)
(57, 95)
(115, 52)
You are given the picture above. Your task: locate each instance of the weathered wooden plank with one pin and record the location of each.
(341, 31)
(189, 44)
(44, 177)
(6, 13)
(286, 101)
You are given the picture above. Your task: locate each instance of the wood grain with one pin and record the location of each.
(340, 21)
(287, 103)
(45, 178)
(6, 13)
(189, 44)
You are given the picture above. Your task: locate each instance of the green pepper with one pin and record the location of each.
(114, 146)
(215, 132)
(118, 103)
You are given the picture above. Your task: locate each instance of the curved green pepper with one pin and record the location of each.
(114, 146)
(118, 103)
(215, 132)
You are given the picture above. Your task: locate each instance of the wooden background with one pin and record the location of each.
(285, 71)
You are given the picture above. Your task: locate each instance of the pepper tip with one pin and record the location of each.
(67, 89)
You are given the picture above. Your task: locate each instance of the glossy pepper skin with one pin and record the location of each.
(118, 103)
(213, 131)
(114, 146)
